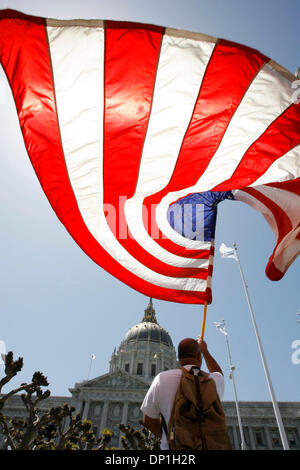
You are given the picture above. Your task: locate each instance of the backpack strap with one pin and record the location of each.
(164, 425)
(200, 413)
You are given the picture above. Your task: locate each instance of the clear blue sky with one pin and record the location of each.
(57, 307)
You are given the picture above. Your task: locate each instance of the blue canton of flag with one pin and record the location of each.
(194, 216)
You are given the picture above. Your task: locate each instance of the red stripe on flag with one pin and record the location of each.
(18, 15)
(283, 222)
(281, 136)
(131, 58)
(293, 186)
(272, 271)
(230, 71)
(25, 57)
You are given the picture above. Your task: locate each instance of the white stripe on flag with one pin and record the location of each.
(253, 116)
(284, 168)
(289, 202)
(180, 72)
(286, 250)
(78, 61)
(257, 205)
(181, 67)
(267, 97)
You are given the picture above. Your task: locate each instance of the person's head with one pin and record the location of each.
(189, 352)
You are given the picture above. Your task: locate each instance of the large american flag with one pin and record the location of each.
(125, 124)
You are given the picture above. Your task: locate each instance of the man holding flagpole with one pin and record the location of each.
(171, 387)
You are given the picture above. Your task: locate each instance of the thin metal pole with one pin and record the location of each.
(284, 440)
(232, 368)
(91, 361)
(243, 443)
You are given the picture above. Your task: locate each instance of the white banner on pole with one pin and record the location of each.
(227, 252)
(221, 328)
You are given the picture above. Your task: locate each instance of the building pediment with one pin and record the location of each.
(118, 380)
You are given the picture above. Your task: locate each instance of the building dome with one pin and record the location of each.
(148, 330)
(146, 349)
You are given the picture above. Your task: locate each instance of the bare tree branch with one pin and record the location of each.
(58, 428)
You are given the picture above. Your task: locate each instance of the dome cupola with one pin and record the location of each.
(148, 330)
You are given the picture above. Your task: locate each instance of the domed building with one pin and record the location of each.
(116, 397)
(146, 349)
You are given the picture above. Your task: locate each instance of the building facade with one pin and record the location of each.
(116, 397)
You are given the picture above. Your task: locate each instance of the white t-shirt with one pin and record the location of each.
(160, 396)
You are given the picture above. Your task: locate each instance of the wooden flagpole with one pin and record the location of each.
(204, 320)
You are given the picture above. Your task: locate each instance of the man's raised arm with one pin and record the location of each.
(211, 363)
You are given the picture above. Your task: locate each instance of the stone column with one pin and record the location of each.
(125, 412)
(78, 406)
(147, 363)
(86, 409)
(124, 419)
(251, 438)
(132, 363)
(162, 365)
(158, 362)
(104, 416)
(298, 435)
(235, 438)
(268, 438)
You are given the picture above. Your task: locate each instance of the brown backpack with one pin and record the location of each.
(197, 419)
